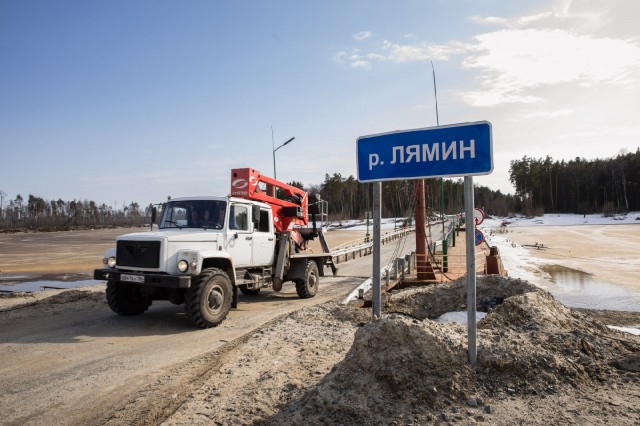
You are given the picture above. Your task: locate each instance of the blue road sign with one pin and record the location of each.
(456, 150)
(479, 237)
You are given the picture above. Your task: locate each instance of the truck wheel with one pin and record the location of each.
(249, 291)
(208, 300)
(308, 286)
(124, 299)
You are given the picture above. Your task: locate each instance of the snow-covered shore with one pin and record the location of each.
(521, 261)
(580, 260)
(632, 218)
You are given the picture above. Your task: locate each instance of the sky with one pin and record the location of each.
(125, 101)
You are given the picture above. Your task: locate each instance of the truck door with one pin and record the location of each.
(263, 239)
(239, 236)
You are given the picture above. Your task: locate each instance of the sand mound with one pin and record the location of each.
(431, 302)
(401, 367)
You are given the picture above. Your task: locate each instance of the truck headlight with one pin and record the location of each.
(183, 265)
(110, 262)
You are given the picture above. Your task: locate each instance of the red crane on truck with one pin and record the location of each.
(288, 212)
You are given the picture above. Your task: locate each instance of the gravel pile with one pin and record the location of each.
(407, 369)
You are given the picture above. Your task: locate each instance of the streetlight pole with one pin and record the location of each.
(274, 155)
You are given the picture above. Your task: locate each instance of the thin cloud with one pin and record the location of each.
(354, 59)
(362, 35)
(489, 20)
(347, 56)
(361, 64)
(376, 57)
(420, 51)
(533, 19)
(395, 52)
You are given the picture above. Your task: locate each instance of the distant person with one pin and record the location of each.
(204, 219)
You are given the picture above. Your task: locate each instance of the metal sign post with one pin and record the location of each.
(471, 269)
(376, 288)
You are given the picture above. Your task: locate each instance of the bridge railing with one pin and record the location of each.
(364, 246)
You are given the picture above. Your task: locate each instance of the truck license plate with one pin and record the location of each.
(132, 278)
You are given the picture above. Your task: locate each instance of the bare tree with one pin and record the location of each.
(3, 195)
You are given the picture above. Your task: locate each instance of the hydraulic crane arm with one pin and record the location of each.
(293, 210)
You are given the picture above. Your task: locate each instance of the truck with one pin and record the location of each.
(206, 250)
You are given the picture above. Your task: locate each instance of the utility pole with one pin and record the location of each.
(274, 155)
(271, 190)
(424, 271)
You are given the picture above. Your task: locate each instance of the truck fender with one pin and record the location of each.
(110, 252)
(221, 260)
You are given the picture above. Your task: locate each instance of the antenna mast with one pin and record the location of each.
(435, 95)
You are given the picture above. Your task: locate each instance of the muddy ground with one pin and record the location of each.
(319, 362)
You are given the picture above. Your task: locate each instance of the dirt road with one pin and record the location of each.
(70, 360)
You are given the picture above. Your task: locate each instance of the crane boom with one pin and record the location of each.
(293, 210)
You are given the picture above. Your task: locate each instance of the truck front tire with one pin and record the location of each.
(126, 299)
(308, 286)
(208, 300)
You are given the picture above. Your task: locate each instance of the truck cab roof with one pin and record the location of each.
(219, 198)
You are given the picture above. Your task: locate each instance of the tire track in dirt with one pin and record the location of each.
(160, 399)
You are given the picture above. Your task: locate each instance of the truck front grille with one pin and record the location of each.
(138, 254)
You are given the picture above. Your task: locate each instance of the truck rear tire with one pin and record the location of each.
(208, 300)
(126, 299)
(308, 286)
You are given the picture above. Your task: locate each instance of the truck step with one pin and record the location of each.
(253, 279)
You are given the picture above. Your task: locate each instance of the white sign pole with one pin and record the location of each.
(470, 231)
(375, 298)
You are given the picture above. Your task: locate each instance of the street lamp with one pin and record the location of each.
(274, 155)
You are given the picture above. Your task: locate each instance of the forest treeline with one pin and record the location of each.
(41, 214)
(542, 185)
(606, 186)
(350, 199)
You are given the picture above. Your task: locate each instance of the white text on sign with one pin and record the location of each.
(438, 151)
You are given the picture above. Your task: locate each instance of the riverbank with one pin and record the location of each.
(574, 257)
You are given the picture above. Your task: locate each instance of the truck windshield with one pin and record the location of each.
(206, 214)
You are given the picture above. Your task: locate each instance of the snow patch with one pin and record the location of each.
(459, 317)
(630, 330)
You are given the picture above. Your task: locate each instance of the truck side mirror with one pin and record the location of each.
(154, 213)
